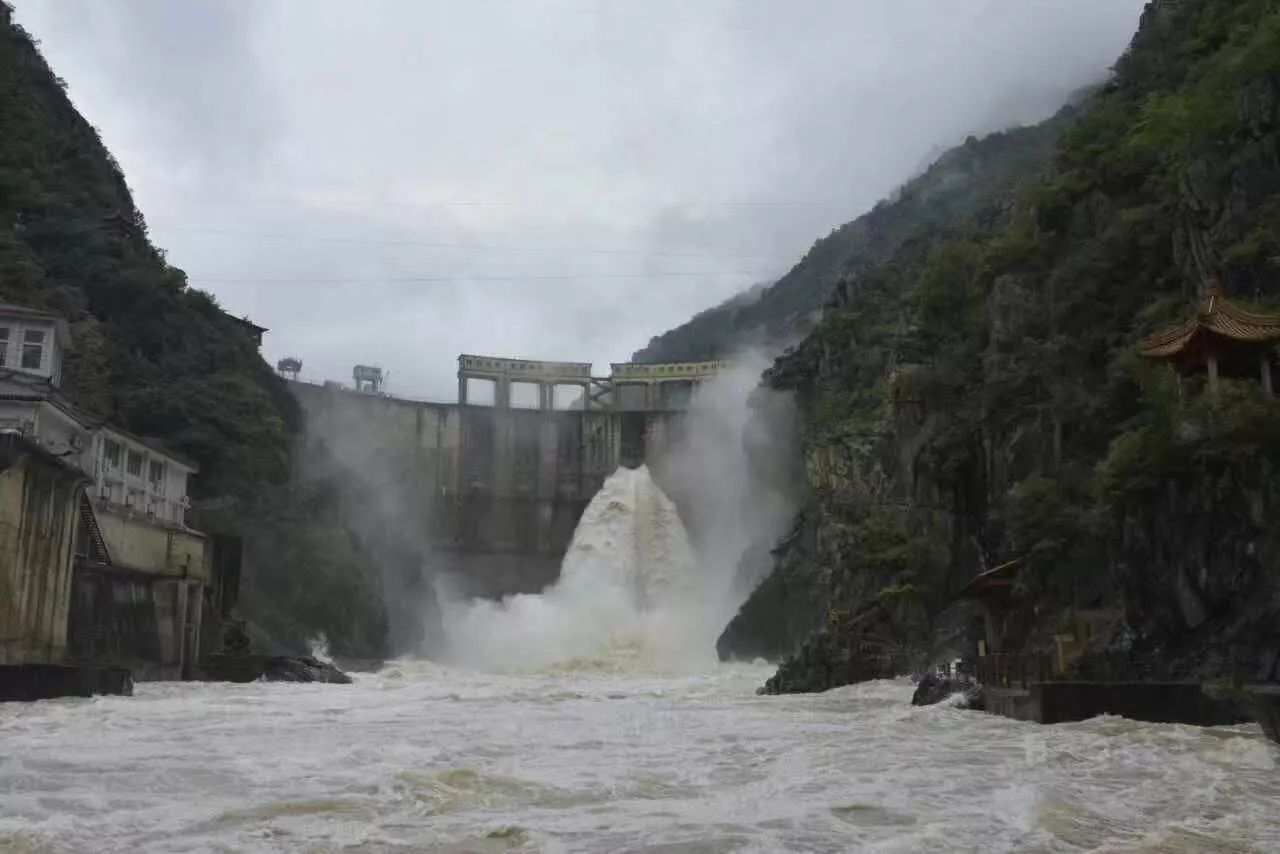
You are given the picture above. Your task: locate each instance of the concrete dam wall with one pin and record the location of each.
(492, 494)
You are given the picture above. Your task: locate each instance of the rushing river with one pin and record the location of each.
(592, 718)
(595, 757)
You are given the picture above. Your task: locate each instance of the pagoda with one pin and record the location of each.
(1219, 335)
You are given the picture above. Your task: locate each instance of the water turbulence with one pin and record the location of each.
(626, 596)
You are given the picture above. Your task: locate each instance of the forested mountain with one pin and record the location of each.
(974, 181)
(150, 352)
(161, 359)
(977, 399)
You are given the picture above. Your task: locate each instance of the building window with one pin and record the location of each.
(111, 454)
(4, 346)
(155, 474)
(33, 348)
(135, 464)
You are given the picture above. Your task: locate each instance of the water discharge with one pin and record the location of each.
(593, 717)
(420, 757)
(629, 592)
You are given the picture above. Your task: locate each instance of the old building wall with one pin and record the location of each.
(38, 500)
(136, 543)
(146, 623)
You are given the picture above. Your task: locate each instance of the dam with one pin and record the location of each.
(494, 484)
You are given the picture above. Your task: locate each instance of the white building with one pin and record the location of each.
(130, 474)
(32, 342)
(130, 582)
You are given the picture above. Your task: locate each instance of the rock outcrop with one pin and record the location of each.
(828, 660)
(237, 662)
(270, 668)
(931, 690)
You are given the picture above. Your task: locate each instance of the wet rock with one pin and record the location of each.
(825, 662)
(272, 668)
(932, 689)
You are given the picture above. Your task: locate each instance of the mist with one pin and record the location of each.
(348, 539)
(663, 556)
(398, 182)
(731, 468)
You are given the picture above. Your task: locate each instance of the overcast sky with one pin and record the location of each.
(396, 182)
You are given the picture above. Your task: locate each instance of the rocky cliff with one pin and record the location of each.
(977, 399)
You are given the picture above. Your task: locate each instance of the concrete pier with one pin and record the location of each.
(1263, 702)
(1156, 702)
(25, 682)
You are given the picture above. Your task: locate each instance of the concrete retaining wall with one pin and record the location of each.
(146, 623)
(26, 682)
(135, 542)
(1156, 702)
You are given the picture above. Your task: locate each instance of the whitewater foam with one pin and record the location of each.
(627, 596)
(422, 757)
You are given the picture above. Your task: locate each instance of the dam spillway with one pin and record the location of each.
(493, 492)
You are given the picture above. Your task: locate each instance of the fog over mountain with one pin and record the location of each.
(397, 182)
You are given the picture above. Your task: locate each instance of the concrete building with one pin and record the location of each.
(99, 563)
(253, 330)
(38, 499)
(32, 342)
(139, 495)
(661, 387)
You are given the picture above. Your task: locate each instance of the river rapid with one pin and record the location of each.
(593, 717)
(608, 754)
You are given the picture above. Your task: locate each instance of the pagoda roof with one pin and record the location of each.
(990, 581)
(1218, 316)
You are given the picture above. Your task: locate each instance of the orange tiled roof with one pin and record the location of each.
(1216, 315)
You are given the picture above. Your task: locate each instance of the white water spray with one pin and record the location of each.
(635, 591)
(627, 591)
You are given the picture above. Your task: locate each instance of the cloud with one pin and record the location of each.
(360, 178)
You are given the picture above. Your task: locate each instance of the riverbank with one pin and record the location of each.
(418, 757)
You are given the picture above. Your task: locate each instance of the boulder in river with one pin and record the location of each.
(933, 689)
(272, 668)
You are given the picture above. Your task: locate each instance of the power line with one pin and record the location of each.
(662, 274)
(485, 247)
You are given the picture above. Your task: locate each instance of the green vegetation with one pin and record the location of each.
(151, 353)
(970, 182)
(161, 359)
(989, 368)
